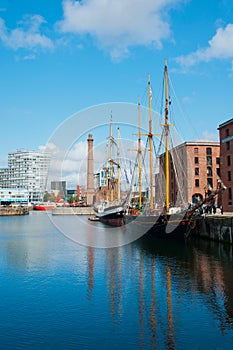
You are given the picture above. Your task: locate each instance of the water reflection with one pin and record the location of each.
(143, 295)
(90, 275)
(169, 276)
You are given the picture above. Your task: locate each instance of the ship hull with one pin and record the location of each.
(112, 219)
(44, 207)
(165, 227)
(112, 215)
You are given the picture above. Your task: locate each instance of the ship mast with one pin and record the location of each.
(106, 171)
(150, 136)
(111, 164)
(166, 127)
(118, 166)
(139, 156)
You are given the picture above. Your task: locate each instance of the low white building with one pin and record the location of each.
(14, 196)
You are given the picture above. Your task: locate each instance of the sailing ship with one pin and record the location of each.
(150, 219)
(110, 206)
(167, 222)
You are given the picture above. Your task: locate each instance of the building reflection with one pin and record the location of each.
(214, 281)
(114, 281)
(141, 304)
(90, 271)
(200, 267)
(170, 338)
(160, 274)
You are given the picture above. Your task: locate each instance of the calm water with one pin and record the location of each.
(56, 293)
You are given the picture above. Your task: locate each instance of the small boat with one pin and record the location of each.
(93, 218)
(44, 206)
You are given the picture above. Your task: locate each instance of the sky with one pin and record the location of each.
(58, 58)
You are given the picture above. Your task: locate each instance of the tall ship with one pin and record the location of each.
(159, 217)
(109, 205)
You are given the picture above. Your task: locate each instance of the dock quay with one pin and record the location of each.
(215, 227)
(13, 211)
(73, 211)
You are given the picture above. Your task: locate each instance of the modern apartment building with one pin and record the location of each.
(194, 167)
(226, 163)
(28, 170)
(4, 178)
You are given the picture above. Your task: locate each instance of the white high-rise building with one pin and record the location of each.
(28, 170)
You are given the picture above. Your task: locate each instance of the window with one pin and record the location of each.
(228, 160)
(196, 160)
(229, 175)
(210, 181)
(228, 145)
(196, 150)
(197, 183)
(209, 171)
(209, 151)
(218, 160)
(227, 132)
(218, 172)
(229, 193)
(209, 160)
(197, 171)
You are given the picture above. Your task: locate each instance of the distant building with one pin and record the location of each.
(59, 188)
(26, 169)
(4, 177)
(71, 193)
(194, 168)
(14, 196)
(226, 163)
(100, 179)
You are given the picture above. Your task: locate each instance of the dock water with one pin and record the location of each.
(214, 227)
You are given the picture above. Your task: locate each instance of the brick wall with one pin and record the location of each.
(226, 163)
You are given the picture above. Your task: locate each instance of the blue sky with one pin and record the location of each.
(60, 57)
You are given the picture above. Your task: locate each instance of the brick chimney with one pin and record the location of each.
(90, 174)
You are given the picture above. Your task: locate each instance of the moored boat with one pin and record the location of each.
(158, 216)
(110, 209)
(44, 206)
(110, 214)
(168, 222)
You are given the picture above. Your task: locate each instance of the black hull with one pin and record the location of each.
(115, 220)
(166, 227)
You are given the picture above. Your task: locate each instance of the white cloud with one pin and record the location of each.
(67, 165)
(117, 25)
(50, 148)
(71, 165)
(219, 47)
(26, 36)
